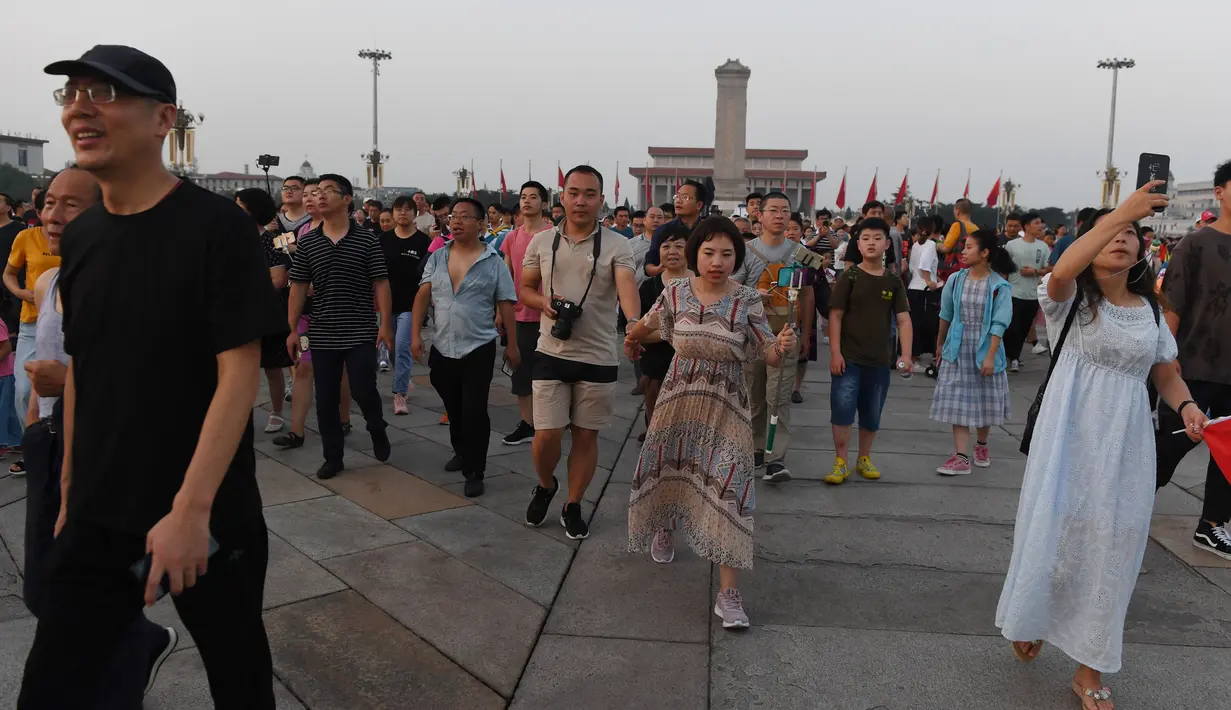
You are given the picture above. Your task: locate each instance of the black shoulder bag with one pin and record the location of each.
(1033, 413)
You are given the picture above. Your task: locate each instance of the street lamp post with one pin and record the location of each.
(375, 159)
(1111, 176)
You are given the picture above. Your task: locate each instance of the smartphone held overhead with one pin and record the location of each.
(1152, 166)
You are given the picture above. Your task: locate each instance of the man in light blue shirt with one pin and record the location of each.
(466, 281)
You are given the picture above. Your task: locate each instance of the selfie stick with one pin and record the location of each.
(792, 293)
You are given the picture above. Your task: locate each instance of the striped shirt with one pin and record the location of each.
(341, 275)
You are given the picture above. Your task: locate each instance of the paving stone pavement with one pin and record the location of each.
(388, 589)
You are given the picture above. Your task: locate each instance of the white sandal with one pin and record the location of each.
(275, 424)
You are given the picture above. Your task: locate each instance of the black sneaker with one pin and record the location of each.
(474, 485)
(455, 464)
(776, 473)
(540, 499)
(328, 470)
(347, 429)
(380, 445)
(796, 397)
(758, 459)
(574, 527)
(1213, 539)
(158, 653)
(524, 433)
(289, 440)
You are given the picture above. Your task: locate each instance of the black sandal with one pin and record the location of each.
(18, 468)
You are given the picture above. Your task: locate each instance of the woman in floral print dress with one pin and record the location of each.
(696, 467)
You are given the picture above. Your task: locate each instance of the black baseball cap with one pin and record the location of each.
(131, 71)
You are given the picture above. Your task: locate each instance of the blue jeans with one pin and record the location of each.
(402, 360)
(25, 353)
(860, 389)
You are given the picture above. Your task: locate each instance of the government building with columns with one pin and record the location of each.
(764, 170)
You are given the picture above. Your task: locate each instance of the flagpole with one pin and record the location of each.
(529, 170)
(617, 183)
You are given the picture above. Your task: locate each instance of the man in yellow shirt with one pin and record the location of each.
(31, 251)
(962, 210)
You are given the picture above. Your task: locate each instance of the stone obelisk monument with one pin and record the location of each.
(730, 130)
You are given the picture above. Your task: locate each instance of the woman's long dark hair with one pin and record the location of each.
(1140, 275)
(998, 258)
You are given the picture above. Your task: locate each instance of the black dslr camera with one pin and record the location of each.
(566, 313)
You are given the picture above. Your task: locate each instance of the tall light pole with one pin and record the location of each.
(374, 159)
(1111, 176)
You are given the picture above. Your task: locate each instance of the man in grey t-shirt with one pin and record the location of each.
(1031, 254)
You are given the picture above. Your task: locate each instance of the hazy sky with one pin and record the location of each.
(942, 84)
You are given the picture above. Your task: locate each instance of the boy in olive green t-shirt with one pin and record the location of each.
(866, 299)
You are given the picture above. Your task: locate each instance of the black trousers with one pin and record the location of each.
(360, 364)
(464, 383)
(90, 602)
(127, 669)
(924, 320)
(1171, 448)
(1024, 311)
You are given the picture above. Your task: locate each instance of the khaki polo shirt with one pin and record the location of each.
(594, 338)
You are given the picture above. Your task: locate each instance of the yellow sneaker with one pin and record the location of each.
(838, 473)
(866, 469)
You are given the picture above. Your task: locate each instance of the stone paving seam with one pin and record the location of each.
(427, 542)
(411, 631)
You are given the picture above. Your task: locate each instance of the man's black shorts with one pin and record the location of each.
(527, 343)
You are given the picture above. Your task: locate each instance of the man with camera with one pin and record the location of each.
(587, 269)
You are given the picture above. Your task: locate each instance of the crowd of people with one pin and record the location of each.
(719, 315)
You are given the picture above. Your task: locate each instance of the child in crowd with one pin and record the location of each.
(865, 302)
(972, 389)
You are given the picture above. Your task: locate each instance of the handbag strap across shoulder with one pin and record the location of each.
(1064, 334)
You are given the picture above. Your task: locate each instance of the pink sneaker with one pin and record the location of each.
(399, 404)
(955, 466)
(982, 458)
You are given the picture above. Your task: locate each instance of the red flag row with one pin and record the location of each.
(899, 197)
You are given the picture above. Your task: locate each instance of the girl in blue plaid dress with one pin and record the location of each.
(972, 388)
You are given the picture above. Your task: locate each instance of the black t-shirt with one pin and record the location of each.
(404, 260)
(10, 305)
(132, 293)
(657, 356)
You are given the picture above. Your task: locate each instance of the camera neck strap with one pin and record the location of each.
(555, 244)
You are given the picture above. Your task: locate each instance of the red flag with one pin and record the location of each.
(474, 190)
(814, 191)
(677, 180)
(901, 196)
(841, 201)
(648, 195)
(503, 187)
(872, 189)
(561, 174)
(617, 195)
(966, 192)
(935, 188)
(784, 181)
(1218, 438)
(994, 196)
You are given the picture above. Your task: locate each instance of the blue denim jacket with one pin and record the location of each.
(997, 314)
(465, 320)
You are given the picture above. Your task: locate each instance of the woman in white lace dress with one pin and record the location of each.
(1084, 515)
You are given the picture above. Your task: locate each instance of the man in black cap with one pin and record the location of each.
(166, 503)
